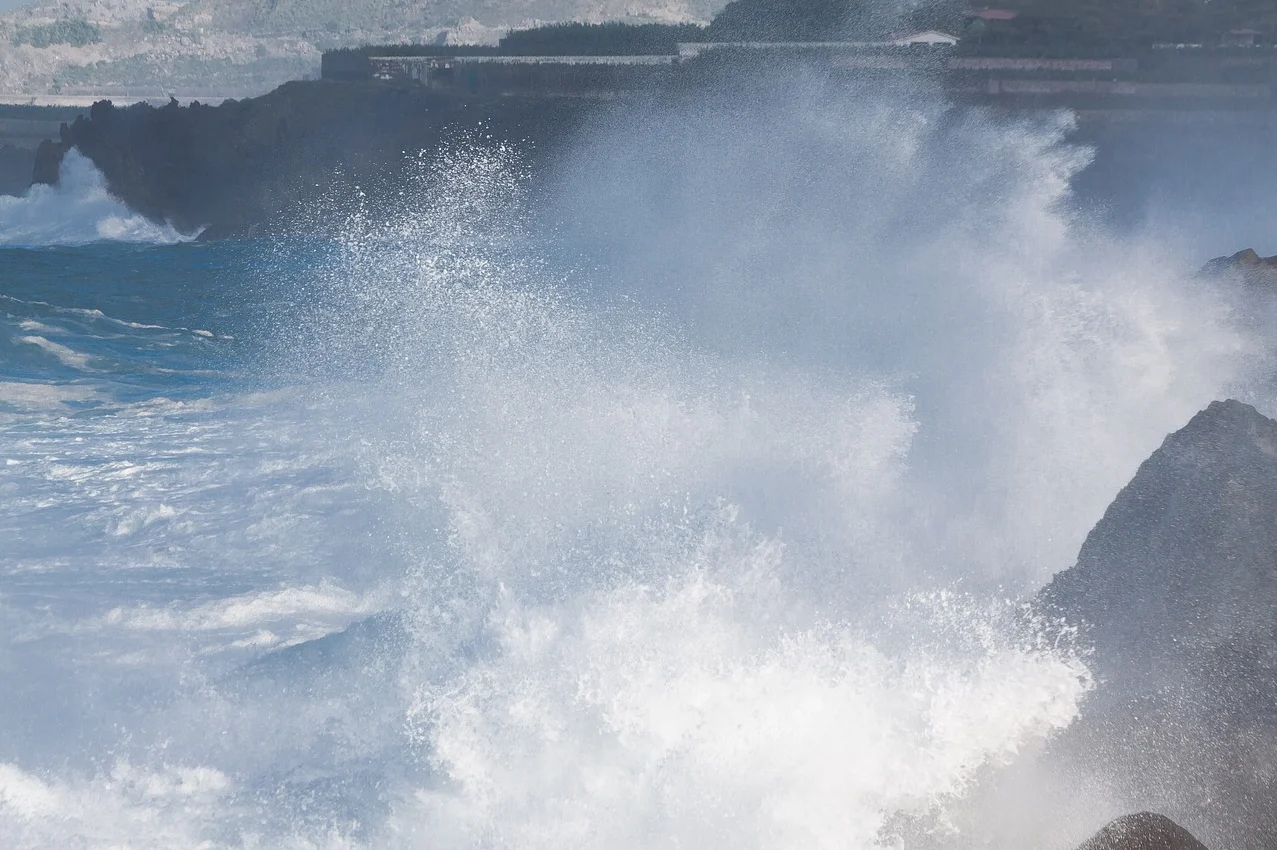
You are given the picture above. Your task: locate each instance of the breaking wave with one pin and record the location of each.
(77, 211)
(689, 500)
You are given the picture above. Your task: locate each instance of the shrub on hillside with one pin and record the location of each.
(75, 32)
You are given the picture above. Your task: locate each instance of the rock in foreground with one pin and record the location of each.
(1184, 562)
(1143, 831)
(1176, 590)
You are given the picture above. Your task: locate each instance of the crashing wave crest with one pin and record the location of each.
(77, 211)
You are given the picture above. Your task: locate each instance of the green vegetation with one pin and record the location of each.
(612, 39)
(571, 39)
(791, 20)
(74, 31)
(150, 26)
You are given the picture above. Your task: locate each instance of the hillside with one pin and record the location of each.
(233, 48)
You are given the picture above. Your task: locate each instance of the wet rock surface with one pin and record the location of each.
(1176, 590)
(1143, 831)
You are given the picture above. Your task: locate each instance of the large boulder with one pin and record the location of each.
(1143, 831)
(1176, 591)
(1184, 562)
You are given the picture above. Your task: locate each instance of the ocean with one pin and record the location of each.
(690, 497)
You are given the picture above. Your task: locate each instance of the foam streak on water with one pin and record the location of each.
(693, 539)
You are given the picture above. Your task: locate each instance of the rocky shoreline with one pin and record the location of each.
(284, 161)
(277, 162)
(1174, 589)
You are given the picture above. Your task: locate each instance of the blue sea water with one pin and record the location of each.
(703, 527)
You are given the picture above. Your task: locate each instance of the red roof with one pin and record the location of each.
(993, 14)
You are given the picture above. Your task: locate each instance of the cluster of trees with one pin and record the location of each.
(792, 20)
(570, 39)
(612, 39)
(75, 32)
(832, 20)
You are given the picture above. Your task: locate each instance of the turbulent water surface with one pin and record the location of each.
(670, 504)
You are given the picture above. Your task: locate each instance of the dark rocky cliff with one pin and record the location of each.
(277, 161)
(1176, 589)
(1184, 562)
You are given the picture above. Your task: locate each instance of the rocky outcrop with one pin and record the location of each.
(1184, 562)
(281, 161)
(1143, 831)
(1247, 262)
(1176, 590)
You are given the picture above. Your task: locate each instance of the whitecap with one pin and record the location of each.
(66, 356)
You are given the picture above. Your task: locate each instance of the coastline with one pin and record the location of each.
(271, 163)
(262, 165)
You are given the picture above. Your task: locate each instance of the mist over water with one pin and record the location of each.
(936, 250)
(687, 498)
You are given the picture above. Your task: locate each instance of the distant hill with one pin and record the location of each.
(209, 48)
(337, 18)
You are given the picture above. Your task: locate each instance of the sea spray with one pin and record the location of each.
(648, 512)
(936, 248)
(78, 210)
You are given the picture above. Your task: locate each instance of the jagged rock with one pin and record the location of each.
(1176, 590)
(1143, 831)
(1183, 562)
(1247, 262)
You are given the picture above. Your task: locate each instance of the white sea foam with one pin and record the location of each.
(37, 396)
(323, 604)
(65, 355)
(76, 211)
(128, 807)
